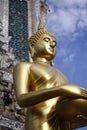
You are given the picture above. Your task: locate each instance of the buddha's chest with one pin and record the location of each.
(43, 76)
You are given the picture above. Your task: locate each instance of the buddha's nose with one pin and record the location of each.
(52, 44)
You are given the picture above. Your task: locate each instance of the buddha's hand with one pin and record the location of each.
(73, 91)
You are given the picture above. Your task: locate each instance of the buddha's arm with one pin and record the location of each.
(27, 98)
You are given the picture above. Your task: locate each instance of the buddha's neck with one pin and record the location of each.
(42, 60)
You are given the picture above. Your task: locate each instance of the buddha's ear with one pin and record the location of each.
(32, 50)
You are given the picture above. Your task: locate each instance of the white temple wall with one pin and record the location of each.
(4, 16)
(36, 10)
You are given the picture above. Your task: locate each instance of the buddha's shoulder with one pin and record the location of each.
(23, 65)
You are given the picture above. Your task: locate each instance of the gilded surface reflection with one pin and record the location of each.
(51, 102)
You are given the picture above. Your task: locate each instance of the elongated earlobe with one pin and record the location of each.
(32, 51)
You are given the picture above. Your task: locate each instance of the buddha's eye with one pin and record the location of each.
(46, 39)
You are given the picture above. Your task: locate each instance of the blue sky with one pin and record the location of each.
(67, 20)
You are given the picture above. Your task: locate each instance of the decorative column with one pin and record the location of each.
(43, 13)
(4, 39)
(5, 13)
(18, 29)
(33, 16)
(36, 10)
(4, 20)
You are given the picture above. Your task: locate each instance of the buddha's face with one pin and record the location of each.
(45, 47)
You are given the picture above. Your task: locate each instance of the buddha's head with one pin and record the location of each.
(42, 44)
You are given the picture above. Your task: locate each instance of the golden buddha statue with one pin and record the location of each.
(51, 102)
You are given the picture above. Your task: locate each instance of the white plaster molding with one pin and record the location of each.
(5, 17)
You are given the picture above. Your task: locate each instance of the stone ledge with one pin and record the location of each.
(11, 124)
